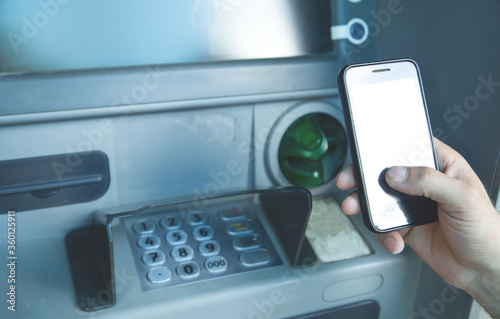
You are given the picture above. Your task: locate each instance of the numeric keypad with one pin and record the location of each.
(173, 248)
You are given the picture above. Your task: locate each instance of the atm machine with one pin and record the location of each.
(177, 159)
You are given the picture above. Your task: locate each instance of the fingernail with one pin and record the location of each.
(397, 174)
(393, 245)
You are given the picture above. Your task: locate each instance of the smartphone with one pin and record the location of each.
(387, 125)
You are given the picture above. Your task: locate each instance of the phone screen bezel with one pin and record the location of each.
(359, 74)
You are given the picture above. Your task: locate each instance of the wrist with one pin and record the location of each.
(485, 289)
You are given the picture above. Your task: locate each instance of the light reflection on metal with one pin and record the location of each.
(158, 32)
(243, 29)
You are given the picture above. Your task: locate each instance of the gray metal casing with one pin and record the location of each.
(193, 123)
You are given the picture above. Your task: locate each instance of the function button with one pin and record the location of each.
(144, 227)
(159, 275)
(216, 264)
(240, 228)
(149, 242)
(176, 237)
(247, 242)
(188, 270)
(254, 258)
(232, 214)
(209, 248)
(203, 232)
(197, 218)
(182, 253)
(171, 222)
(153, 258)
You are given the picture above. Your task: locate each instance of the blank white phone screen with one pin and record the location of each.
(390, 125)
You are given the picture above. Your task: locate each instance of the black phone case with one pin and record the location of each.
(353, 147)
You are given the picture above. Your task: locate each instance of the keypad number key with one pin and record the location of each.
(159, 275)
(216, 264)
(182, 253)
(153, 258)
(176, 237)
(171, 222)
(149, 242)
(144, 227)
(197, 218)
(203, 232)
(209, 248)
(188, 270)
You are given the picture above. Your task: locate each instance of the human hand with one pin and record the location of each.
(463, 247)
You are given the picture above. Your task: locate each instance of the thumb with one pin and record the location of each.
(424, 181)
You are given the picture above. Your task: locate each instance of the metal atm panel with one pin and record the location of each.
(198, 129)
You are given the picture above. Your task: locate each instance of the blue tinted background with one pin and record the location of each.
(97, 33)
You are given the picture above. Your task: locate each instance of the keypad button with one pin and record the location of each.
(144, 227)
(188, 270)
(240, 227)
(182, 253)
(197, 218)
(159, 275)
(153, 258)
(171, 222)
(247, 242)
(176, 237)
(149, 242)
(204, 232)
(254, 258)
(232, 214)
(209, 248)
(172, 248)
(216, 264)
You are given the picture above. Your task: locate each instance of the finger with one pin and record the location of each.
(392, 242)
(425, 181)
(350, 205)
(445, 154)
(454, 165)
(345, 180)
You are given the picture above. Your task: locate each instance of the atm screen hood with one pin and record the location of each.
(57, 35)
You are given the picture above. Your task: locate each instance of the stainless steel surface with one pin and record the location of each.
(268, 29)
(56, 35)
